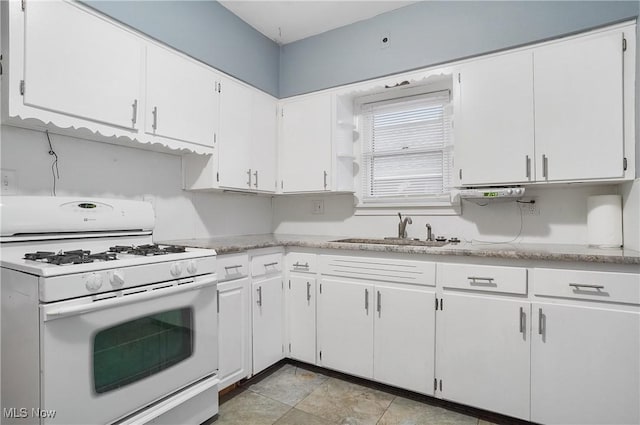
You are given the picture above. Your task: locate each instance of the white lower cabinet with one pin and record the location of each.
(234, 333)
(483, 352)
(585, 350)
(384, 332)
(301, 322)
(404, 337)
(345, 326)
(268, 309)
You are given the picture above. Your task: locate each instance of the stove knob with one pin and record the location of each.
(192, 267)
(116, 278)
(509, 191)
(94, 282)
(176, 269)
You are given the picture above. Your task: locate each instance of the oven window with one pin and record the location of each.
(134, 350)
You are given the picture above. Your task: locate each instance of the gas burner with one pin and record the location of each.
(104, 256)
(120, 248)
(454, 240)
(39, 255)
(148, 250)
(174, 249)
(441, 239)
(70, 257)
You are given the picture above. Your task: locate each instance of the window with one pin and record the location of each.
(407, 151)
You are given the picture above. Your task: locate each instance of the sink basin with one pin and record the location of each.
(392, 241)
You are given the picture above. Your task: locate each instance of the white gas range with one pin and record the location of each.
(100, 325)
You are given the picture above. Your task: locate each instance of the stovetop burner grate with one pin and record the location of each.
(80, 256)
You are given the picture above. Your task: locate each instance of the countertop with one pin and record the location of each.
(538, 252)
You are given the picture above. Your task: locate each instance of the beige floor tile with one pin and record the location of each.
(298, 417)
(289, 384)
(249, 408)
(346, 403)
(410, 412)
(483, 422)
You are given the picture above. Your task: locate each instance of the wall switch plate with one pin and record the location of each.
(9, 182)
(317, 207)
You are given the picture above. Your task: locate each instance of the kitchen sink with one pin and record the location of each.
(393, 241)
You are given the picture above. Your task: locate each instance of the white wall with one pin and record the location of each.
(562, 219)
(96, 169)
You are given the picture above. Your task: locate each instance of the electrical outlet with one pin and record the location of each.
(317, 207)
(9, 182)
(530, 208)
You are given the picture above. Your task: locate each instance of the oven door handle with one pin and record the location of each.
(54, 312)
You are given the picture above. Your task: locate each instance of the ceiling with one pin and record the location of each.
(288, 21)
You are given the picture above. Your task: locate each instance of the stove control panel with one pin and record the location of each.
(93, 282)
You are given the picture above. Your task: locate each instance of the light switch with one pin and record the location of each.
(317, 207)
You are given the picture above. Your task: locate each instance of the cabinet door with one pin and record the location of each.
(182, 100)
(81, 65)
(345, 327)
(264, 142)
(578, 109)
(306, 144)
(585, 365)
(302, 319)
(234, 332)
(404, 338)
(234, 160)
(267, 323)
(483, 358)
(494, 132)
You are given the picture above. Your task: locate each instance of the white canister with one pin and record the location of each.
(604, 221)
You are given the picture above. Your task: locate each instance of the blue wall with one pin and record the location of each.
(433, 32)
(206, 31)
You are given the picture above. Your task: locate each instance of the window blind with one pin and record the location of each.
(406, 149)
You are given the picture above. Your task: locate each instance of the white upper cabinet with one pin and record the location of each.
(494, 132)
(235, 135)
(305, 144)
(182, 98)
(264, 142)
(579, 108)
(79, 64)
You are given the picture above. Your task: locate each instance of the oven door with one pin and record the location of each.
(102, 359)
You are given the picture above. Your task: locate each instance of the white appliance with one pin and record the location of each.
(100, 325)
(492, 193)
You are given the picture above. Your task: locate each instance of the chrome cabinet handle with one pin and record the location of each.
(479, 280)
(259, 302)
(540, 322)
(237, 266)
(155, 118)
(325, 179)
(584, 285)
(523, 319)
(305, 265)
(366, 299)
(308, 291)
(249, 175)
(528, 167)
(218, 300)
(255, 174)
(545, 166)
(270, 264)
(379, 303)
(134, 118)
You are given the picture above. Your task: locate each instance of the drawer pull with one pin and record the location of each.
(308, 291)
(305, 265)
(479, 280)
(379, 303)
(579, 286)
(237, 266)
(270, 264)
(523, 318)
(259, 301)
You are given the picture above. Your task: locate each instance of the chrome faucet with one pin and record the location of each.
(429, 234)
(402, 226)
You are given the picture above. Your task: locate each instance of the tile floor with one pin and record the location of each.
(294, 395)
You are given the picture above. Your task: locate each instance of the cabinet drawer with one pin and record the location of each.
(231, 267)
(302, 262)
(512, 280)
(587, 285)
(266, 264)
(384, 269)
